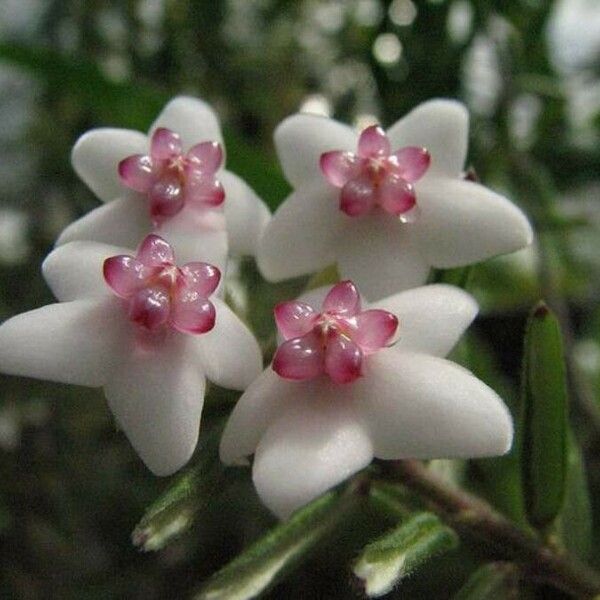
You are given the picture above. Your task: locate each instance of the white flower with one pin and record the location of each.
(309, 435)
(170, 180)
(390, 211)
(146, 332)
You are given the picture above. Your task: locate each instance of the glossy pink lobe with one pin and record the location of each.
(165, 144)
(343, 359)
(375, 329)
(343, 299)
(373, 143)
(299, 358)
(170, 178)
(137, 173)
(158, 293)
(192, 312)
(294, 318)
(334, 341)
(375, 177)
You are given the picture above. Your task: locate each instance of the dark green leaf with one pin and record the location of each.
(387, 560)
(284, 546)
(494, 581)
(544, 405)
(574, 523)
(458, 277)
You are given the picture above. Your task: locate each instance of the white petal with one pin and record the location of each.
(315, 444)
(301, 139)
(441, 126)
(157, 399)
(462, 222)
(431, 318)
(197, 236)
(266, 397)
(380, 255)
(75, 270)
(229, 354)
(122, 222)
(301, 237)
(73, 342)
(245, 213)
(194, 120)
(421, 406)
(97, 154)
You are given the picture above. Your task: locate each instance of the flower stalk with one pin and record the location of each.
(476, 518)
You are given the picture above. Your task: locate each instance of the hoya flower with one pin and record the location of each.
(386, 207)
(171, 181)
(147, 331)
(350, 383)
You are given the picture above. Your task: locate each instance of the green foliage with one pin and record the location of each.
(544, 436)
(387, 560)
(258, 567)
(494, 581)
(175, 511)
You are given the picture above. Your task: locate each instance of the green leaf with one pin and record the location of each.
(494, 581)
(326, 277)
(544, 406)
(175, 511)
(280, 549)
(574, 523)
(389, 559)
(459, 276)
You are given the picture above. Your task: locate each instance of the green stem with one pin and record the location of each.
(475, 517)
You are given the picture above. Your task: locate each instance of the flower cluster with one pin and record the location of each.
(353, 377)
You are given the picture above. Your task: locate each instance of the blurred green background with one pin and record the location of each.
(71, 487)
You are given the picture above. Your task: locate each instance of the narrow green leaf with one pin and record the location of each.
(494, 581)
(387, 560)
(279, 550)
(574, 523)
(174, 512)
(544, 406)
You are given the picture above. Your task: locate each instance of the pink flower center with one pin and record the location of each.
(158, 293)
(375, 176)
(170, 179)
(334, 341)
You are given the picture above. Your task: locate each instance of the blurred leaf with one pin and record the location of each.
(389, 559)
(278, 551)
(135, 105)
(574, 523)
(544, 398)
(390, 499)
(459, 277)
(326, 277)
(175, 511)
(497, 478)
(494, 581)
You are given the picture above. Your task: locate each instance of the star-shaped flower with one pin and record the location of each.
(147, 331)
(386, 207)
(406, 402)
(172, 182)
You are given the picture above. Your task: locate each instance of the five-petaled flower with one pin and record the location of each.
(309, 435)
(143, 329)
(170, 181)
(335, 341)
(358, 210)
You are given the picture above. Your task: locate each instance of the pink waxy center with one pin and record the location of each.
(334, 341)
(171, 179)
(158, 293)
(375, 176)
